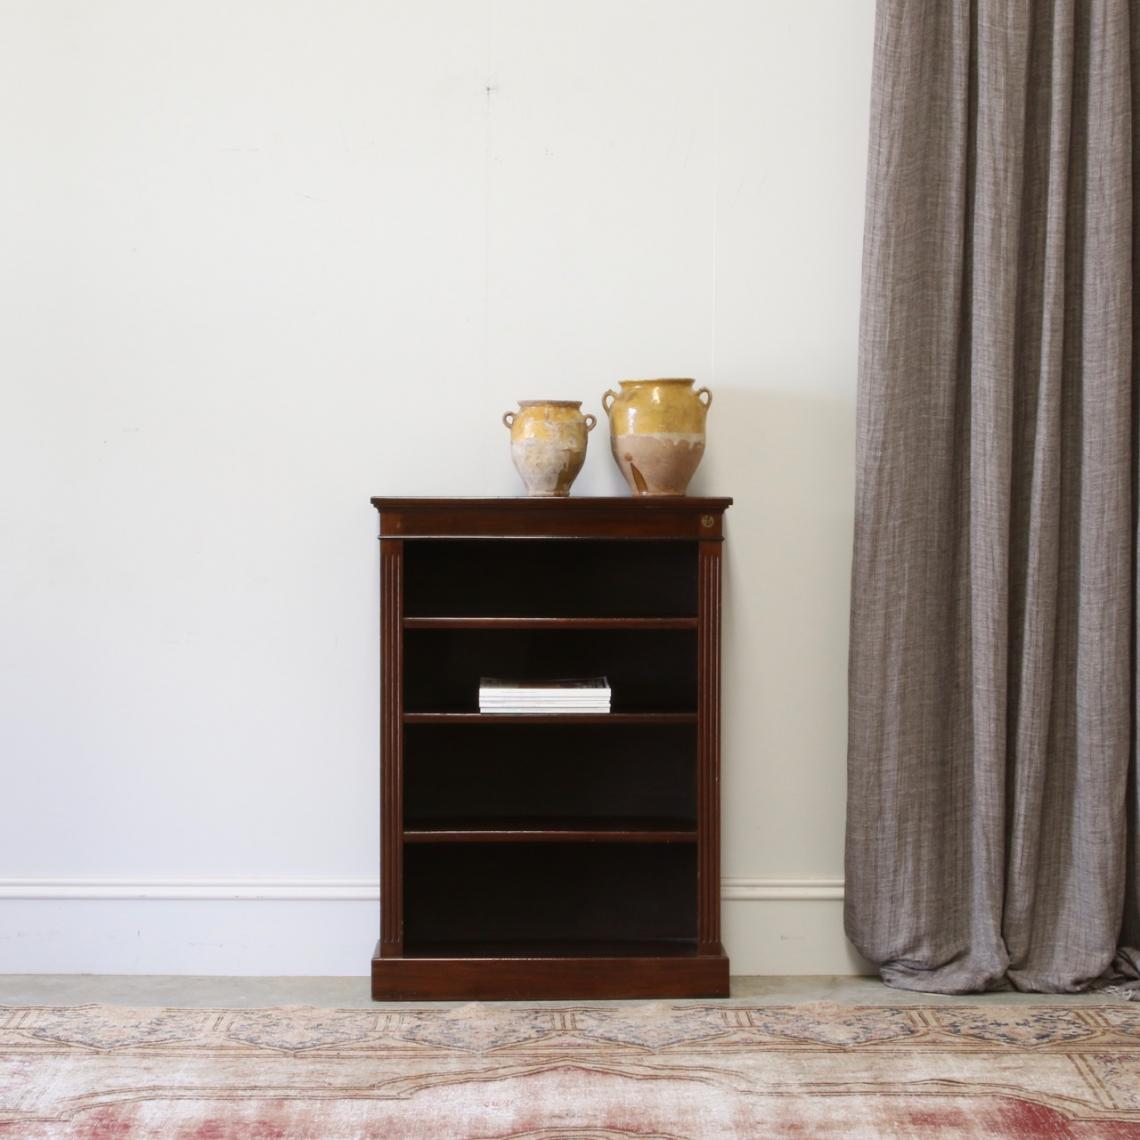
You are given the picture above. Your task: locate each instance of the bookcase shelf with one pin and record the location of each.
(545, 830)
(472, 718)
(522, 949)
(554, 855)
(550, 623)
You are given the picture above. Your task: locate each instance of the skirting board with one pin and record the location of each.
(326, 927)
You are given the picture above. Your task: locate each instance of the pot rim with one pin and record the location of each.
(661, 380)
(550, 403)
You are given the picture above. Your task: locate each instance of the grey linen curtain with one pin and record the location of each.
(992, 811)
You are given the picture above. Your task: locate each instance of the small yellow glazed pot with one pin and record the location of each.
(657, 432)
(548, 443)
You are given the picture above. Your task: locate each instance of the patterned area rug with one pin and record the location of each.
(647, 1071)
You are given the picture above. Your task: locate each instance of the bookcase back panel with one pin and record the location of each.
(549, 892)
(549, 772)
(648, 670)
(556, 578)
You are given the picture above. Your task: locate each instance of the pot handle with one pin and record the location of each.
(612, 395)
(591, 421)
(509, 418)
(704, 391)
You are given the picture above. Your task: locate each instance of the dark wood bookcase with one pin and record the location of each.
(550, 856)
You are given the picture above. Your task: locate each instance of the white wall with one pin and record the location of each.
(263, 259)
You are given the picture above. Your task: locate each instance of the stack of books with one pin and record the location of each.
(568, 695)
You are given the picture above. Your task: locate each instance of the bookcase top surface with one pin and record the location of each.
(571, 502)
(677, 517)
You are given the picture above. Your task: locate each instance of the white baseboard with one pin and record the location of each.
(276, 926)
(343, 890)
(248, 890)
(787, 927)
(781, 890)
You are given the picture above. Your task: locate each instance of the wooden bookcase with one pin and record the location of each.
(550, 856)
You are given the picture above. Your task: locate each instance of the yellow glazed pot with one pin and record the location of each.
(548, 443)
(657, 432)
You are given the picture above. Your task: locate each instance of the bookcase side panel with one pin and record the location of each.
(708, 748)
(391, 748)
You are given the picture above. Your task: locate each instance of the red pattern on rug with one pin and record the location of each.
(651, 1072)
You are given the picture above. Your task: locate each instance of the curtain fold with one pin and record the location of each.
(992, 792)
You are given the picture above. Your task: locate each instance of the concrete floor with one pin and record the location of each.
(349, 993)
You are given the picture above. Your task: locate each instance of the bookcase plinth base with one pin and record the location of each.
(549, 978)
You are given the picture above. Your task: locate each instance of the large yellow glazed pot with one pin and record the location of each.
(657, 432)
(548, 444)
